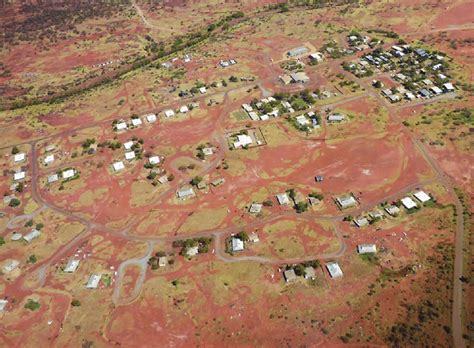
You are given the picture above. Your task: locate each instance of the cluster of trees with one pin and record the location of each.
(300, 267)
(202, 243)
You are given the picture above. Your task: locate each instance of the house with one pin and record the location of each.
(184, 109)
(247, 107)
(202, 90)
(253, 237)
(436, 90)
(19, 176)
(136, 122)
(408, 203)
(424, 93)
(442, 76)
(3, 304)
(129, 155)
(49, 159)
(428, 82)
(71, 266)
(69, 173)
(334, 269)
(448, 87)
(236, 244)
(163, 179)
(346, 201)
(162, 261)
(394, 98)
(387, 92)
(283, 199)
(150, 118)
(169, 113)
(32, 235)
(422, 196)
(53, 178)
(317, 56)
(286, 79)
(253, 116)
(192, 251)
(298, 51)
(361, 222)
(309, 273)
(10, 266)
(366, 248)
(376, 214)
(410, 96)
(302, 120)
(255, 208)
(217, 182)
(207, 151)
(290, 275)
(185, 193)
(299, 77)
(128, 145)
(392, 210)
(19, 157)
(242, 140)
(336, 118)
(93, 281)
(16, 236)
(264, 117)
(118, 166)
(154, 160)
(121, 126)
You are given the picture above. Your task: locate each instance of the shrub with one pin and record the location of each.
(32, 305)
(75, 303)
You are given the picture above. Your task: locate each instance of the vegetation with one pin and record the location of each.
(32, 305)
(75, 303)
(14, 202)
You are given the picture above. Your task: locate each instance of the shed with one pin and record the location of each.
(72, 265)
(361, 222)
(207, 151)
(217, 182)
(334, 269)
(286, 79)
(366, 248)
(32, 235)
(203, 90)
(93, 281)
(336, 118)
(3, 304)
(408, 203)
(118, 166)
(299, 77)
(162, 261)
(422, 196)
(283, 199)
(290, 275)
(297, 51)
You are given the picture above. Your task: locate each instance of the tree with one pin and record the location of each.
(196, 180)
(291, 193)
(170, 177)
(32, 259)
(2, 240)
(301, 207)
(32, 305)
(14, 202)
(75, 303)
(243, 236)
(299, 269)
(39, 226)
(19, 188)
(233, 79)
(15, 150)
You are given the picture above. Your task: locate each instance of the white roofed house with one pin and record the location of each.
(48, 159)
(255, 208)
(366, 248)
(128, 145)
(242, 140)
(436, 90)
(408, 203)
(68, 173)
(448, 87)
(361, 222)
(150, 118)
(72, 265)
(136, 122)
(302, 120)
(121, 126)
(299, 77)
(93, 281)
(317, 56)
(53, 178)
(154, 160)
(334, 269)
(185, 192)
(32, 235)
(3, 304)
(19, 176)
(184, 109)
(10, 265)
(203, 90)
(118, 166)
(169, 113)
(392, 210)
(283, 199)
(289, 275)
(236, 244)
(422, 196)
(129, 155)
(346, 201)
(336, 118)
(19, 157)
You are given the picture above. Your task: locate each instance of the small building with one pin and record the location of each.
(154, 160)
(184, 109)
(408, 203)
(19, 176)
(318, 178)
(422, 196)
(448, 87)
(253, 115)
(290, 275)
(283, 199)
(366, 248)
(236, 244)
(247, 107)
(129, 155)
(16, 236)
(392, 210)
(346, 201)
(317, 56)
(10, 266)
(334, 269)
(192, 251)
(136, 122)
(69, 173)
(163, 179)
(255, 208)
(208, 151)
(299, 77)
(53, 178)
(162, 261)
(48, 159)
(298, 51)
(169, 113)
(361, 222)
(32, 235)
(202, 185)
(203, 90)
(436, 90)
(128, 145)
(19, 157)
(50, 148)
(118, 166)
(410, 96)
(3, 304)
(218, 182)
(376, 215)
(336, 118)
(302, 120)
(424, 93)
(242, 140)
(93, 281)
(72, 266)
(309, 273)
(150, 118)
(253, 237)
(185, 193)
(285, 79)
(121, 126)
